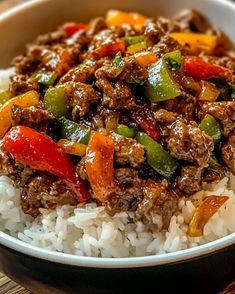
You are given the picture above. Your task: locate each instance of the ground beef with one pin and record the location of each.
(45, 191)
(192, 20)
(33, 117)
(165, 45)
(80, 97)
(153, 32)
(11, 168)
(128, 192)
(224, 111)
(104, 37)
(96, 26)
(224, 61)
(20, 84)
(211, 176)
(157, 199)
(187, 142)
(189, 180)
(51, 38)
(228, 152)
(127, 151)
(116, 94)
(165, 117)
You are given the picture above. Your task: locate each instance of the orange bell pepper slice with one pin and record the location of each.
(99, 165)
(145, 58)
(203, 213)
(109, 49)
(118, 18)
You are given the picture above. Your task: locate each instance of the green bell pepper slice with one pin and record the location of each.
(132, 40)
(211, 127)
(56, 102)
(5, 96)
(73, 131)
(126, 131)
(160, 85)
(157, 157)
(46, 78)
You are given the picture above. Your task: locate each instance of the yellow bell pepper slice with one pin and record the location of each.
(195, 42)
(27, 99)
(118, 18)
(73, 148)
(145, 58)
(209, 206)
(132, 49)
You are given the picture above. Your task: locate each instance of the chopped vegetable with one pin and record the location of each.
(72, 28)
(147, 122)
(157, 157)
(99, 165)
(5, 96)
(132, 40)
(209, 92)
(203, 213)
(118, 18)
(111, 123)
(173, 59)
(212, 127)
(199, 69)
(195, 42)
(145, 58)
(126, 131)
(108, 49)
(118, 59)
(73, 131)
(71, 147)
(56, 102)
(40, 152)
(132, 49)
(46, 78)
(30, 98)
(161, 85)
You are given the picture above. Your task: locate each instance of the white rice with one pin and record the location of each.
(90, 231)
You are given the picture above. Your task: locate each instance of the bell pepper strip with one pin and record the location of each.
(132, 40)
(99, 165)
(160, 85)
(208, 207)
(118, 59)
(30, 98)
(126, 131)
(71, 147)
(208, 92)
(45, 78)
(199, 69)
(147, 123)
(40, 152)
(211, 127)
(157, 157)
(73, 131)
(119, 18)
(145, 58)
(72, 28)
(194, 42)
(5, 96)
(56, 102)
(132, 49)
(109, 49)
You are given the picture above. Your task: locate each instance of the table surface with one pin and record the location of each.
(10, 287)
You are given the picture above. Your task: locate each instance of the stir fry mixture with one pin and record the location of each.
(126, 111)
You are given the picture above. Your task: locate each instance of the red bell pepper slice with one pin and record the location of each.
(99, 165)
(40, 152)
(199, 69)
(146, 121)
(72, 28)
(109, 49)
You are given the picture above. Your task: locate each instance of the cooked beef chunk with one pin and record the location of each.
(192, 20)
(116, 95)
(211, 176)
(32, 117)
(128, 192)
(11, 168)
(188, 142)
(228, 152)
(96, 25)
(165, 117)
(20, 84)
(158, 199)
(81, 168)
(165, 45)
(81, 96)
(52, 38)
(45, 191)
(153, 32)
(128, 151)
(104, 37)
(189, 180)
(224, 111)
(224, 61)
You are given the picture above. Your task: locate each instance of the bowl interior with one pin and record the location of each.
(24, 23)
